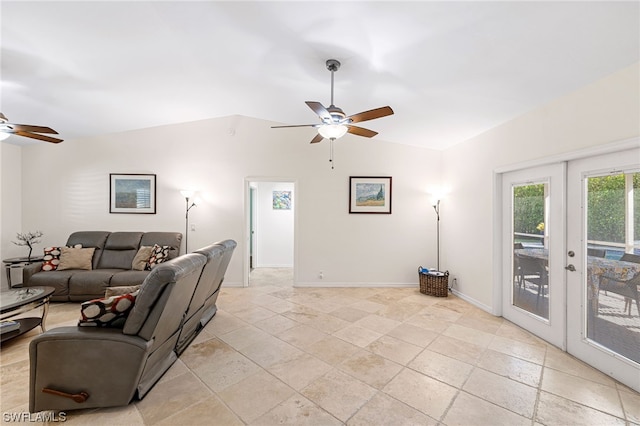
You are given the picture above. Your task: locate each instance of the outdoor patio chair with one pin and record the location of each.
(534, 271)
(626, 288)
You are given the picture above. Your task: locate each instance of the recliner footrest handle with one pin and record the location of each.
(79, 397)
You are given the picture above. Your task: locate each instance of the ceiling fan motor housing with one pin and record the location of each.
(337, 114)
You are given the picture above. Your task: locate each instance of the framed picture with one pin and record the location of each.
(282, 200)
(132, 193)
(370, 194)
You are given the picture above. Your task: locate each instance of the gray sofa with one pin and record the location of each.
(111, 264)
(89, 367)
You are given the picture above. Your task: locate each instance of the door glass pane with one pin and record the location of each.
(613, 263)
(530, 249)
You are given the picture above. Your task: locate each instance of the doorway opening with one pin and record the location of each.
(271, 222)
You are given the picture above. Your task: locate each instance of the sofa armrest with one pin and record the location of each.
(101, 362)
(29, 270)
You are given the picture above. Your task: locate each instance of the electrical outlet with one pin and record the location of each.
(320, 275)
(193, 226)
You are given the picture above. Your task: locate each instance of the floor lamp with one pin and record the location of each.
(436, 207)
(187, 194)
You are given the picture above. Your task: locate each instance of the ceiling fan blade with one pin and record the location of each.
(29, 128)
(3, 117)
(319, 109)
(296, 125)
(360, 131)
(370, 115)
(317, 138)
(36, 136)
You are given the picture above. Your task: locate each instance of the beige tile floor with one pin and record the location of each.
(356, 356)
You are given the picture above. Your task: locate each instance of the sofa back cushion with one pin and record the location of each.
(119, 250)
(87, 239)
(164, 298)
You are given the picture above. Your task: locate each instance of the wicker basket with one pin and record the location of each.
(434, 285)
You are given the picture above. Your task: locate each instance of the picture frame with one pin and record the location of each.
(132, 193)
(370, 194)
(281, 200)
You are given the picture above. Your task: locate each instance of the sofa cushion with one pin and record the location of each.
(119, 250)
(122, 278)
(75, 258)
(56, 279)
(159, 254)
(142, 258)
(87, 285)
(96, 239)
(107, 312)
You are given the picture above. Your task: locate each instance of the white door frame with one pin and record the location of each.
(247, 223)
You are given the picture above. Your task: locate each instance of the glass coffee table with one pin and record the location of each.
(18, 301)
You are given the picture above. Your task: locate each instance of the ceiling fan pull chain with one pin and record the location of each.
(331, 151)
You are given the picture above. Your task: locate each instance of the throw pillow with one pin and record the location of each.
(51, 258)
(159, 254)
(75, 258)
(107, 312)
(142, 258)
(119, 291)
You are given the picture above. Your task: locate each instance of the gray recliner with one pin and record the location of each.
(87, 367)
(203, 304)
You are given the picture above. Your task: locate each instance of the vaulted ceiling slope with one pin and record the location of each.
(450, 70)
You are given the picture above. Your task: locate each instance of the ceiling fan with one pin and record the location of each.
(25, 130)
(334, 123)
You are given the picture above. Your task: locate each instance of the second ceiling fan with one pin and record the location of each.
(334, 123)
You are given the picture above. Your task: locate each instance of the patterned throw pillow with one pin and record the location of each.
(107, 312)
(159, 254)
(51, 258)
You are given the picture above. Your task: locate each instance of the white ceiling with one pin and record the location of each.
(450, 70)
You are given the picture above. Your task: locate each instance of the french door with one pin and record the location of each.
(534, 245)
(603, 240)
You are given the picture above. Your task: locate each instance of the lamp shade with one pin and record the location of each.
(332, 131)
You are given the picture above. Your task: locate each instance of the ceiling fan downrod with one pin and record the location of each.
(333, 65)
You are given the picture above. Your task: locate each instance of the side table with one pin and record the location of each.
(18, 262)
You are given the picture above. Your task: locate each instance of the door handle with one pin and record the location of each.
(570, 267)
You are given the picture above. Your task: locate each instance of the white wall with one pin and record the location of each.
(601, 113)
(274, 227)
(66, 188)
(10, 205)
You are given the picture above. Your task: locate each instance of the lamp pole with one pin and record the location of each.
(436, 207)
(187, 195)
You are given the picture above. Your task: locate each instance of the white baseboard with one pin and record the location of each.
(353, 284)
(473, 301)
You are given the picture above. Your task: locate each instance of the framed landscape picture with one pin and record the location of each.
(370, 194)
(132, 193)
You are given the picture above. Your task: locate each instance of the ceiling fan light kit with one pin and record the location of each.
(332, 131)
(334, 123)
(28, 131)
